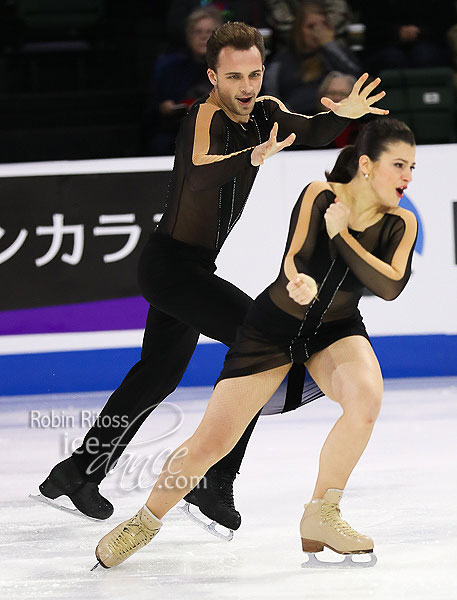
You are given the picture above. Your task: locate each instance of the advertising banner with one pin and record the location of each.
(69, 248)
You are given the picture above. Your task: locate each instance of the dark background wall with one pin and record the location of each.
(74, 76)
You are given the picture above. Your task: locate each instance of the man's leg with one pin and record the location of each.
(168, 346)
(193, 300)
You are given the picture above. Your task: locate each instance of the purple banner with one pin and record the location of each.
(103, 315)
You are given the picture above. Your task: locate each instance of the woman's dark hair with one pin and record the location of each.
(236, 34)
(371, 140)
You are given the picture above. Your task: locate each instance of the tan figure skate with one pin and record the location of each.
(125, 539)
(322, 525)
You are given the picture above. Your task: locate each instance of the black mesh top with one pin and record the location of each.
(212, 174)
(378, 258)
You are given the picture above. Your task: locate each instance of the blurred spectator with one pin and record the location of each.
(179, 79)
(337, 86)
(248, 11)
(452, 42)
(296, 74)
(339, 14)
(280, 16)
(407, 34)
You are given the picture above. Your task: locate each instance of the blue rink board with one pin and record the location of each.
(95, 370)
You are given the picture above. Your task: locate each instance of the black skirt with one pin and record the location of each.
(268, 339)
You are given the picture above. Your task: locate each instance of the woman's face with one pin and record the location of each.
(199, 35)
(391, 173)
(311, 23)
(338, 89)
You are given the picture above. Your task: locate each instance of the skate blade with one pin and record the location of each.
(209, 527)
(73, 511)
(347, 563)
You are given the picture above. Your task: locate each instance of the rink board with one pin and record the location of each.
(93, 370)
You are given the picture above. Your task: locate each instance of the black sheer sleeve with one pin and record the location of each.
(207, 166)
(318, 130)
(304, 252)
(305, 226)
(386, 274)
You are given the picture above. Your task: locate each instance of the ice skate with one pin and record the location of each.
(214, 499)
(65, 479)
(322, 525)
(125, 539)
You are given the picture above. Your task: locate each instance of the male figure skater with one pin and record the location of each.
(221, 144)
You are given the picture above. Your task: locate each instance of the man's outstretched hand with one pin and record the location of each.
(358, 103)
(270, 147)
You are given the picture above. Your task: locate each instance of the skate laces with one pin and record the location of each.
(223, 488)
(133, 535)
(331, 515)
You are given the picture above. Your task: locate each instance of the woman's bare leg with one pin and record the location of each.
(348, 372)
(232, 406)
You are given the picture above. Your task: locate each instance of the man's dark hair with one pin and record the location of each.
(236, 34)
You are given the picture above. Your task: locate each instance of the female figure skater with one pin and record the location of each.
(345, 234)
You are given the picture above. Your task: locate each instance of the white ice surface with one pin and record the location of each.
(403, 493)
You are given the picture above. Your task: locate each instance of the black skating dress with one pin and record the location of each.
(277, 330)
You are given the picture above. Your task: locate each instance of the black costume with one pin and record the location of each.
(210, 184)
(278, 330)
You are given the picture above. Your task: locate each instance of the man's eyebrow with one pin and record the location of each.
(239, 72)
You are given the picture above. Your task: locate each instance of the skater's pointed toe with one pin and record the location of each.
(128, 537)
(101, 557)
(105, 552)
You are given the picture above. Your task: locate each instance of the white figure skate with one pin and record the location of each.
(125, 539)
(322, 525)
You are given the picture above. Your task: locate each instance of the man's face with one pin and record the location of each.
(238, 79)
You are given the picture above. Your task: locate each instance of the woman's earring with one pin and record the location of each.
(366, 175)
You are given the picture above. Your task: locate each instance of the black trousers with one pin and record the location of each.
(186, 299)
